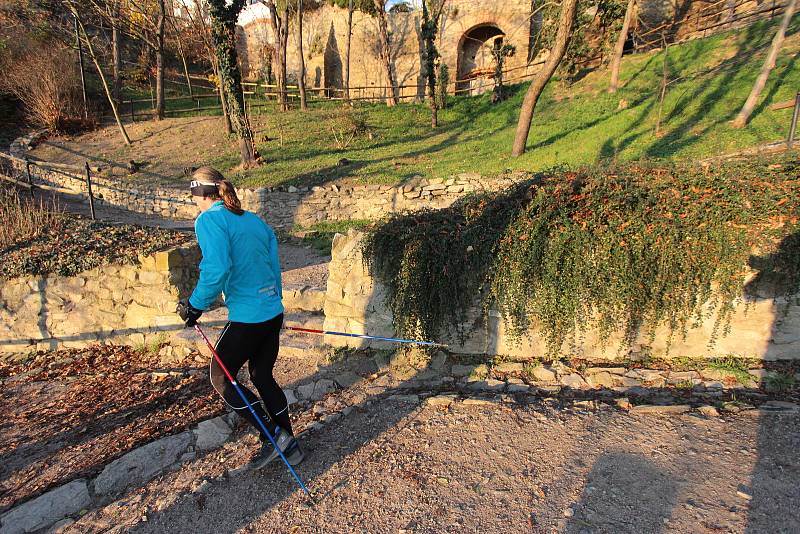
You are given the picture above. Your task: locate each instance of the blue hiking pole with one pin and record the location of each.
(364, 336)
(252, 411)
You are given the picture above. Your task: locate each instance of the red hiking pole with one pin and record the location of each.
(252, 411)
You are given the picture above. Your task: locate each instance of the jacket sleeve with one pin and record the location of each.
(216, 263)
(275, 262)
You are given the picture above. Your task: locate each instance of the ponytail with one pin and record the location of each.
(228, 194)
(224, 189)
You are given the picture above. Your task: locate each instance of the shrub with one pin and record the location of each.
(45, 83)
(24, 219)
(348, 123)
(624, 248)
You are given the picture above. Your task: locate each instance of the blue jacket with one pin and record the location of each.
(240, 259)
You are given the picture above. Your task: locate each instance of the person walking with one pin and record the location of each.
(240, 260)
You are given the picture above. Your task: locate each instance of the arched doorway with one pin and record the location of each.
(475, 60)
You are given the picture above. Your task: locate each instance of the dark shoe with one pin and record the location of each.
(268, 452)
(294, 454)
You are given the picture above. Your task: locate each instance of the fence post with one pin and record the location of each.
(89, 187)
(28, 173)
(133, 113)
(793, 127)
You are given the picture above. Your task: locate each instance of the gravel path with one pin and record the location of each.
(396, 466)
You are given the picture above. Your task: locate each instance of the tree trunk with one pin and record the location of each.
(744, 115)
(280, 27)
(102, 76)
(566, 21)
(185, 66)
(223, 34)
(223, 104)
(430, 25)
(347, 49)
(162, 16)
(116, 58)
(620, 46)
(301, 78)
(386, 51)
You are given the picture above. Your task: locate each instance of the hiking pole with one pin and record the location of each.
(252, 411)
(364, 336)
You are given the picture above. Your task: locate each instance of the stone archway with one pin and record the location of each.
(475, 57)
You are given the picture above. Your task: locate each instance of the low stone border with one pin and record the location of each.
(135, 467)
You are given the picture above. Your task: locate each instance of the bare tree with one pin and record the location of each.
(365, 6)
(112, 8)
(280, 28)
(144, 21)
(70, 5)
(431, 13)
(566, 21)
(630, 13)
(301, 77)
(386, 50)
(347, 49)
(202, 32)
(769, 64)
(223, 33)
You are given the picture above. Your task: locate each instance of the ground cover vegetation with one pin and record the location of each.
(624, 248)
(39, 239)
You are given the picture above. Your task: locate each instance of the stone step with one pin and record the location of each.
(297, 297)
(304, 320)
(296, 347)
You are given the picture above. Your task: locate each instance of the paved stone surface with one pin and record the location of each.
(306, 391)
(142, 464)
(321, 388)
(655, 409)
(462, 370)
(509, 368)
(602, 379)
(574, 381)
(290, 396)
(212, 433)
(543, 374)
(46, 509)
(441, 400)
(347, 379)
(488, 385)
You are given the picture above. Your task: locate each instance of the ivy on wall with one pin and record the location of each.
(622, 248)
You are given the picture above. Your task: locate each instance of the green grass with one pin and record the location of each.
(735, 367)
(575, 125)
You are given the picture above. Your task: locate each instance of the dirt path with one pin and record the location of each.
(402, 467)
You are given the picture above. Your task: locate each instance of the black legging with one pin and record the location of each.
(257, 344)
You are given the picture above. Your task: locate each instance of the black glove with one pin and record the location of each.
(188, 313)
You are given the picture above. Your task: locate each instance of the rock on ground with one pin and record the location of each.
(140, 465)
(46, 509)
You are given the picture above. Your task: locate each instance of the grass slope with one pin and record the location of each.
(579, 124)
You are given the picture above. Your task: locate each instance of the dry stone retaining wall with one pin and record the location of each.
(355, 302)
(281, 206)
(120, 303)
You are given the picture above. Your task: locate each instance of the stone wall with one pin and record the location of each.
(325, 35)
(356, 303)
(281, 206)
(119, 303)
